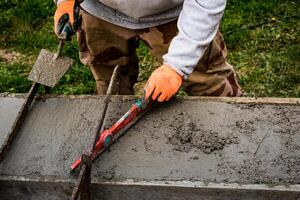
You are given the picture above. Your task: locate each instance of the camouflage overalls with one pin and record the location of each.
(103, 45)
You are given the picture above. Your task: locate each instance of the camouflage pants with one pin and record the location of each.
(103, 45)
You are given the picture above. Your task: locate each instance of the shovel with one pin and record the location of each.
(47, 70)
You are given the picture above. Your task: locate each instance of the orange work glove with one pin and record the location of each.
(64, 13)
(163, 83)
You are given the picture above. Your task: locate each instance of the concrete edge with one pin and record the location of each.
(176, 184)
(235, 100)
(250, 100)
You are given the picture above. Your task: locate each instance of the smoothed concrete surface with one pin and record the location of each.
(9, 108)
(188, 139)
(55, 132)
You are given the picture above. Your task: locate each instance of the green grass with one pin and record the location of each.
(266, 57)
(262, 37)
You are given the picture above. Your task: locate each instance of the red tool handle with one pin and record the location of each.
(108, 135)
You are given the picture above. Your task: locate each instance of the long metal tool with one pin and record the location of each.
(82, 185)
(106, 137)
(104, 140)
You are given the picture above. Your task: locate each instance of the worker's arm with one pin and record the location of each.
(198, 24)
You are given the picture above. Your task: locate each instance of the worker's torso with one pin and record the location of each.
(141, 8)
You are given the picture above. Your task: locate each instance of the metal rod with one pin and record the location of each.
(59, 49)
(82, 185)
(109, 91)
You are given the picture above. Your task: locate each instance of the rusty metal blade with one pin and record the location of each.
(47, 70)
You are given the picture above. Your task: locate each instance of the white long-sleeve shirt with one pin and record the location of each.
(198, 24)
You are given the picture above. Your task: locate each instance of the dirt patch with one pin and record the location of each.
(10, 56)
(188, 136)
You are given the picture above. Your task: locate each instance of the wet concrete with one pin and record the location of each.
(54, 133)
(207, 141)
(9, 108)
(190, 140)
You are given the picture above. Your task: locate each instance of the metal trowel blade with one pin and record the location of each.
(47, 70)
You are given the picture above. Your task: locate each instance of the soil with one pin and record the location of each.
(10, 56)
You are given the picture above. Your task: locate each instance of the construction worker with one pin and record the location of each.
(182, 34)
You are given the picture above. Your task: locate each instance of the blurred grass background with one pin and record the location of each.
(262, 37)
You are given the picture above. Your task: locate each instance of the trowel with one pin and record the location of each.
(50, 67)
(47, 70)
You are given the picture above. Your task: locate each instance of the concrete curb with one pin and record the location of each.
(191, 148)
(239, 100)
(49, 188)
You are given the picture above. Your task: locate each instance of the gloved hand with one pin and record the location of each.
(64, 16)
(163, 83)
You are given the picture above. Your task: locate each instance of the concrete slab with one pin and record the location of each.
(9, 108)
(54, 133)
(196, 140)
(207, 141)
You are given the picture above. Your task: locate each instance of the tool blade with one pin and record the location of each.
(47, 70)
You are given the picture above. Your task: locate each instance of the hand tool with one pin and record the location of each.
(47, 70)
(49, 67)
(103, 139)
(108, 136)
(82, 185)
